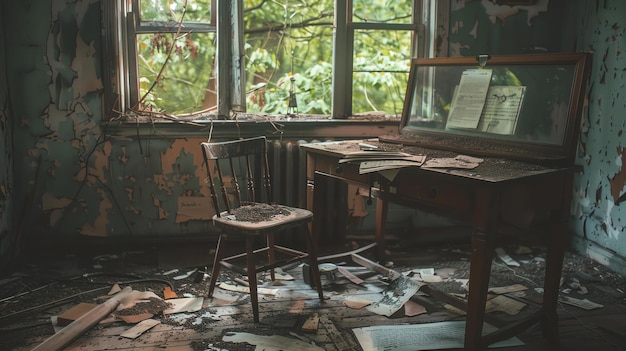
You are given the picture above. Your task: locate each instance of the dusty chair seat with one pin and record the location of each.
(294, 217)
(240, 185)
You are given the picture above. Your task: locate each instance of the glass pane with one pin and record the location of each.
(172, 10)
(285, 40)
(382, 50)
(381, 64)
(187, 83)
(387, 11)
(505, 111)
(378, 92)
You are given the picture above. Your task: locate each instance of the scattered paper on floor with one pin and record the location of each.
(140, 328)
(505, 304)
(184, 304)
(394, 296)
(416, 337)
(271, 342)
(245, 289)
(412, 309)
(584, 304)
(508, 260)
(508, 289)
(357, 302)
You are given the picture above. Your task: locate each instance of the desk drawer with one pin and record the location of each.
(347, 171)
(434, 192)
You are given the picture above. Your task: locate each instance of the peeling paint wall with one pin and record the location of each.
(482, 27)
(71, 178)
(599, 213)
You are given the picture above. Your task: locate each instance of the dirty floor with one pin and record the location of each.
(50, 281)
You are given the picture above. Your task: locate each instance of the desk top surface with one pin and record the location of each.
(493, 170)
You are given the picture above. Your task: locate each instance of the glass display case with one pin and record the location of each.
(525, 107)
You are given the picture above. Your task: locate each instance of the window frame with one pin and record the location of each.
(121, 24)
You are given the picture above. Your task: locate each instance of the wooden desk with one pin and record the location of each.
(497, 198)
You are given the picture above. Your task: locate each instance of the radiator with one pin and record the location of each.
(289, 187)
(288, 169)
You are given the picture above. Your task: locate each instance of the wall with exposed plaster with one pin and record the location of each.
(69, 177)
(599, 215)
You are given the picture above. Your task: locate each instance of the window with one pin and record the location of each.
(208, 58)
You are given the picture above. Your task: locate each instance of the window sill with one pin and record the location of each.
(272, 128)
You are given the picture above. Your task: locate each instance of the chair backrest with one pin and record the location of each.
(238, 172)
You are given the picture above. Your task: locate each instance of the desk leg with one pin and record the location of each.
(554, 264)
(320, 186)
(480, 269)
(382, 208)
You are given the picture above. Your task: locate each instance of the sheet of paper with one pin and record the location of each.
(380, 165)
(460, 161)
(140, 328)
(184, 304)
(502, 109)
(245, 289)
(504, 304)
(507, 289)
(270, 342)
(506, 258)
(584, 304)
(394, 296)
(469, 99)
(415, 337)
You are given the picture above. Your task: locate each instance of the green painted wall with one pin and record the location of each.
(599, 213)
(71, 177)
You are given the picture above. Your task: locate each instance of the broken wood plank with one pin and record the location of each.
(68, 334)
(310, 325)
(353, 278)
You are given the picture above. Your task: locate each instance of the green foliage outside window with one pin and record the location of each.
(288, 48)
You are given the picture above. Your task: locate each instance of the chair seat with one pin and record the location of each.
(258, 217)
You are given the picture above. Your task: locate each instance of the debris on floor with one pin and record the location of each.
(369, 305)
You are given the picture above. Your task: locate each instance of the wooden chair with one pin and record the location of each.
(240, 184)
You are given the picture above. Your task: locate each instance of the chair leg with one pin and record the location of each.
(315, 272)
(215, 271)
(252, 281)
(271, 254)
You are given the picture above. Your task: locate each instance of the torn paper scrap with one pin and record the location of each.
(506, 258)
(413, 309)
(184, 304)
(168, 293)
(140, 328)
(394, 296)
(271, 342)
(508, 289)
(185, 275)
(114, 289)
(461, 161)
(584, 304)
(245, 289)
(504, 304)
(356, 302)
